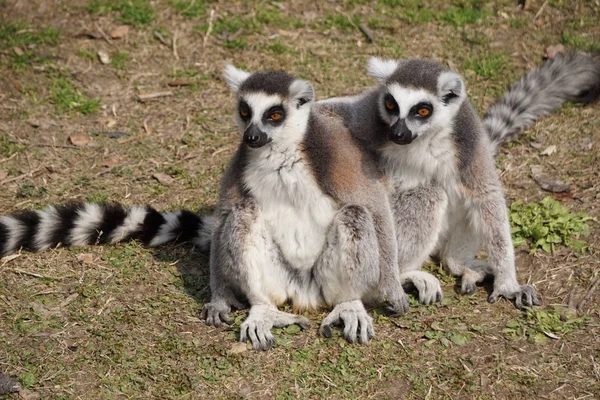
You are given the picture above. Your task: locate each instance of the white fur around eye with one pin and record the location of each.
(234, 77)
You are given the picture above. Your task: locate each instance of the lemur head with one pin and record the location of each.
(418, 97)
(272, 106)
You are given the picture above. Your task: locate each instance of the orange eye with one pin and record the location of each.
(390, 105)
(244, 113)
(275, 116)
(423, 112)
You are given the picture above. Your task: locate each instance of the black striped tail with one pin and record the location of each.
(571, 76)
(81, 224)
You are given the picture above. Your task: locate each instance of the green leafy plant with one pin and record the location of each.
(548, 224)
(538, 325)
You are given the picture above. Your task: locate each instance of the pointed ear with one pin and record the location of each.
(234, 77)
(381, 69)
(301, 92)
(451, 88)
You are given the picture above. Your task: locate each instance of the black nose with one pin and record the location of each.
(255, 138)
(400, 134)
(251, 139)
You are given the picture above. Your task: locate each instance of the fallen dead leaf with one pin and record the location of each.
(119, 32)
(104, 58)
(238, 348)
(3, 174)
(86, 258)
(110, 162)
(18, 51)
(79, 139)
(164, 179)
(548, 151)
(555, 50)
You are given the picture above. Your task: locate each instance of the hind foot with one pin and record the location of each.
(354, 317)
(261, 319)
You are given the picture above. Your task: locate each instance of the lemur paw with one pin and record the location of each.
(354, 317)
(525, 295)
(259, 333)
(216, 314)
(398, 305)
(263, 317)
(428, 286)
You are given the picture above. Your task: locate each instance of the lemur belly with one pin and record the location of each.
(285, 190)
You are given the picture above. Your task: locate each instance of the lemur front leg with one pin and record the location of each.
(390, 283)
(494, 217)
(348, 271)
(242, 254)
(420, 214)
(487, 221)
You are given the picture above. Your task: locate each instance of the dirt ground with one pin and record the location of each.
(123, 321)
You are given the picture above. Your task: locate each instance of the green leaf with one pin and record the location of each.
(459, 339)
(292, 329)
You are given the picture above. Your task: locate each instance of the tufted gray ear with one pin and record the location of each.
(381, 69)
(301, 92)
(234, 77)
(451, 87)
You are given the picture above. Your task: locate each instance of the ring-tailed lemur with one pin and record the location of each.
(293, 222)
(434, 147)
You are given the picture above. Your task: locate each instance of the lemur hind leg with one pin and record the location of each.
(458, 256)
(420, 215)
(244, 259)
(347, 272)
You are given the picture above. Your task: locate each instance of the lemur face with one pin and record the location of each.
(410, 112)
(418, 97)
(262, 117)
(271, 105)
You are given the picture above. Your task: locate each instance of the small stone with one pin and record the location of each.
(104, 58)
(119, 32)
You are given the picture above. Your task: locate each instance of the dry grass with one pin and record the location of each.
(122, 321)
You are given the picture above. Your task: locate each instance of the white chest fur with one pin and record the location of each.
(296, 212)
(428, 159)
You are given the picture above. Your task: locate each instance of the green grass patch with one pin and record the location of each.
(8, 148)
(190, 8)
(548, 224)
(464, 12)
(271, 16)
(341, 22)
(120, 60)
(98, 197)
(488, 65)
(29, 190)
(130, 12)
(19, 41)
(20, 34)
(411, 11)
(580, 42)
(278, 47)
(67, 98)
(238, 43)
(536, 326)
